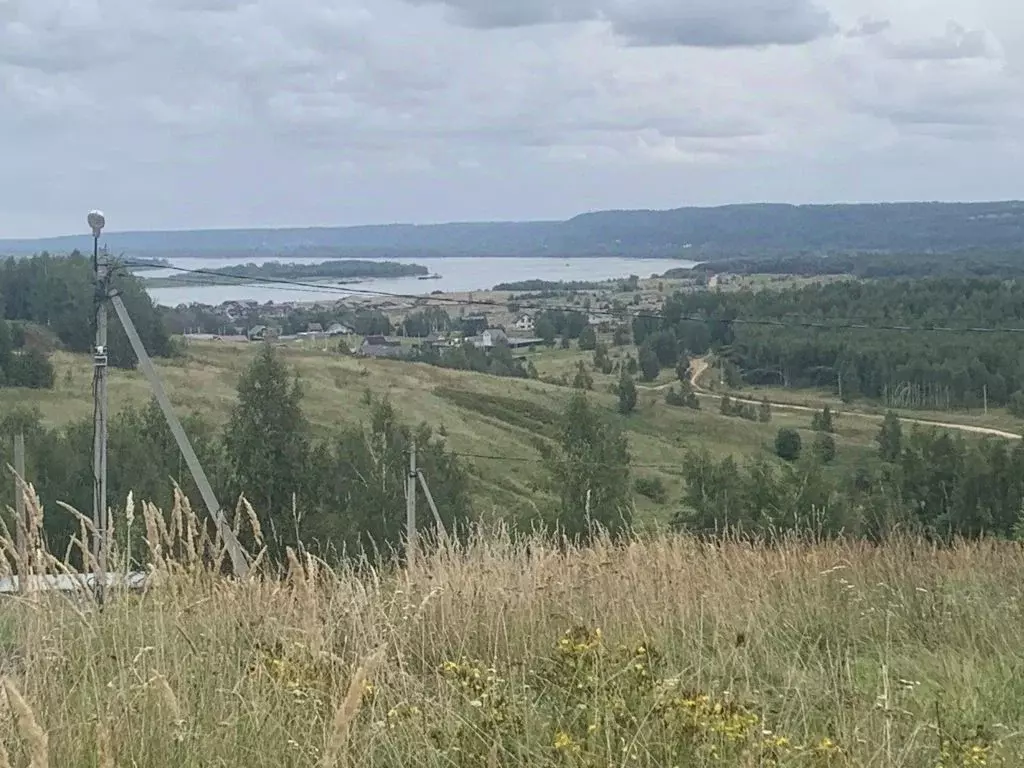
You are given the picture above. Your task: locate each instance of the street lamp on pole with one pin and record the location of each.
(96, 222)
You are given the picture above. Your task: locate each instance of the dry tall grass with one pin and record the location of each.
(658, 652)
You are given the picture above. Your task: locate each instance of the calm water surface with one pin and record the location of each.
(457, 275)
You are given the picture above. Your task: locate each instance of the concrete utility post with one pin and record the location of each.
(239, 558)
(410, 505)
(99, 505)
(19, 507)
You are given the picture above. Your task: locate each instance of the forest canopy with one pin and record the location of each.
(956, 348)
(57, 293)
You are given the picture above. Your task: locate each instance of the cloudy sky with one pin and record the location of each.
(209, 113)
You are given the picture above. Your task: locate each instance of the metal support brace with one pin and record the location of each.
(239, 560)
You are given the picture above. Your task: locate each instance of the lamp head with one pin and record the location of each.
(97, 222)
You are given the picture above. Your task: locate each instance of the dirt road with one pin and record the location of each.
(699, 365)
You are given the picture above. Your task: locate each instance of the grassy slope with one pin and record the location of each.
(996, 418)
(499, 417)
(860, 656)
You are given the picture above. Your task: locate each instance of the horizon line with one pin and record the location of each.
(493, 222)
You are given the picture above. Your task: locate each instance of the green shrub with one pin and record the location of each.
(652, 488)
(788, 444)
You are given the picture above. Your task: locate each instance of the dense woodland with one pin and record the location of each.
(56, 294)
(761, 333)
(975, 262)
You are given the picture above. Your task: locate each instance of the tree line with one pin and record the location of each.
(915, 368)
(57, 294)
(927, 482)
(496, 361)
(1002, 263)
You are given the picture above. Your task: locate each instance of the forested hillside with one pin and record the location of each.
(348, 488)
(692, 233)
(1005, 262)
(57, 293)
(766, 337)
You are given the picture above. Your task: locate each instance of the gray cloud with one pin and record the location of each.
(257, 112)
(709, 23)
(868, 27)
(698, 23)
(523, 13)
(956, 43)
(951, 86)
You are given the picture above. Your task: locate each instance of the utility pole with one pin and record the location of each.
(19, 507)
(984, 394)
(239, 561)
(840, 385)
(410, 505)
(99, 454)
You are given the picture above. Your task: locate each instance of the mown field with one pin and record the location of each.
(660, 652)
(482, 416)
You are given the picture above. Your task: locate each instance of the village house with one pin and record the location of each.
(492, 337)
(518, 343)
(436, 340)
(337, 329)
(524, 323)
(381, 347)
(233, 310)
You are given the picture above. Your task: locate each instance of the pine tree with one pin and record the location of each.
(890, 438)
(591, 472)
(825, 447)
(6, 345)
(588, 338)
(823, 422)
(683, 368)
(583, 378)
(627, 394)
(266, 444)
(650, 366)
(726, 408)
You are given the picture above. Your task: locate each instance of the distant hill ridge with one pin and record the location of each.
(746, 229)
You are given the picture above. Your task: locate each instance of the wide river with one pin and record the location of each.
(457, 275)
